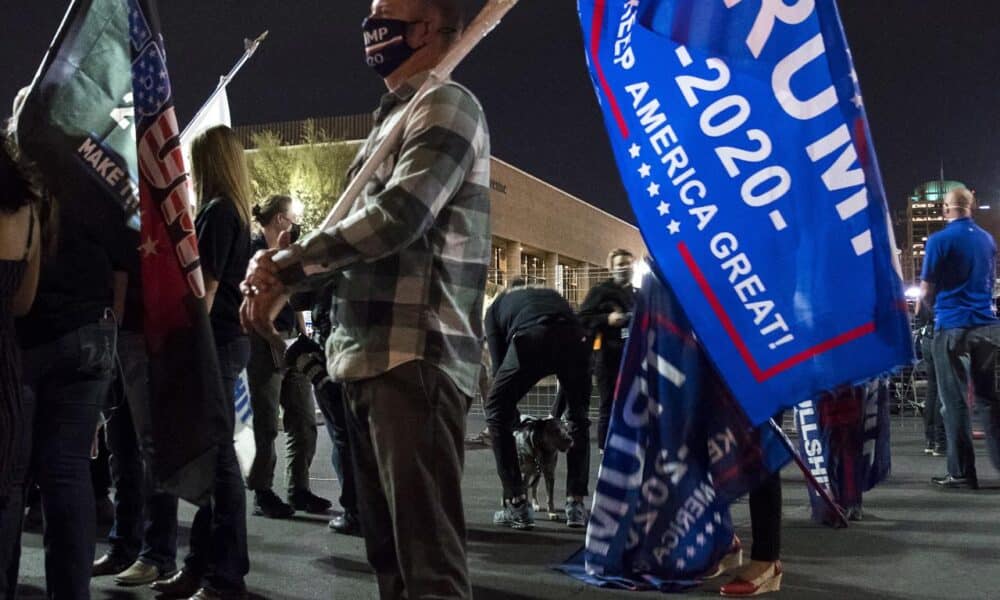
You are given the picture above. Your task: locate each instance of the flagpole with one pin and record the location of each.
(810, 478)
(251, 48)
(70, 11)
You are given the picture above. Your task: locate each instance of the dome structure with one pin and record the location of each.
(934, 191)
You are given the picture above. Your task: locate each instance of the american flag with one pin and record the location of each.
(190, 413)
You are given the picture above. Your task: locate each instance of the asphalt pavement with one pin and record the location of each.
(915, 542)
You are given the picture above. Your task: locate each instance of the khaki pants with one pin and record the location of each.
(269, 388)
(407, 431)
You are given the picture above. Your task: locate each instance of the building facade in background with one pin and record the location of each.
(924, 216)
(540, 232)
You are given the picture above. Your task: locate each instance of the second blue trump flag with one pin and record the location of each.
(740, 133)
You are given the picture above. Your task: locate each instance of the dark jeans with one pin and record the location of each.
(331, 403)
(933, 420)
(66, 385)
(558, 349)
(606, 364)
(270, 387)
(953, 350)
(145, 518)
(218, 549)
(407, 429)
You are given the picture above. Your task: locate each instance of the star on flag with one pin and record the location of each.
(644, 170)
(674, 228)
(700, 539)
(148, 247)
(653, 189)
(690, 551)
(634, 150)
(663, 209)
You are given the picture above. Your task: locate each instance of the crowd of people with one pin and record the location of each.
(397, 294)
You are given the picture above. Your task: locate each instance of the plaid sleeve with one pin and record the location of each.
(437, 151)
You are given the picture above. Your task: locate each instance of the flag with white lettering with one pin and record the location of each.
(190, 415)
(679, 451)
(76, 122)
(740, 134)
(844, 440)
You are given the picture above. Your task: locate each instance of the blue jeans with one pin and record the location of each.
(218, 549)
(961, 355)
(66, 384)
(330, 398)
(145, 519)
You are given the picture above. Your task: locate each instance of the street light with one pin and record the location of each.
(639, 271)
(912, 292)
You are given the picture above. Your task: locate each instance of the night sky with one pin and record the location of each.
(928, 71)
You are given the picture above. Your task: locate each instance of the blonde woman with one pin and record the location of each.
(217, 560)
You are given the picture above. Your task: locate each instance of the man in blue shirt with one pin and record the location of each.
(958, 276)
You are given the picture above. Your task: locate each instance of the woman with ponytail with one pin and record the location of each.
(271, 386)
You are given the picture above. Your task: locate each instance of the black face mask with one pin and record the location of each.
(385, 44)
(294, 232)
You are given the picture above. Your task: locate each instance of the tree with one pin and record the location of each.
(314, 171)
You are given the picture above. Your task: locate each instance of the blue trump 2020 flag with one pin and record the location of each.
(740, 134)
(678, 452)
(844, 441)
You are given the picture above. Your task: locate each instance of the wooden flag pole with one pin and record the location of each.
(487, 20)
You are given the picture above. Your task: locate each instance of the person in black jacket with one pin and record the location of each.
(606, 312)
(531, 333)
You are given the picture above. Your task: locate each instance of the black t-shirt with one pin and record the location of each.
(518, 309)
(75, 286)
(602, 300)
(285, 321)
(224, 245)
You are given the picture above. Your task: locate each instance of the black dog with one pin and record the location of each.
(539, 442)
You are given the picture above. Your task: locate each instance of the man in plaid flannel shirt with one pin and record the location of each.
(411, 260)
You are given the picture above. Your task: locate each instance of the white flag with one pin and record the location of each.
(215, 113)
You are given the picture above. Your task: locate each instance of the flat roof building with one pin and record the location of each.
(539, 231)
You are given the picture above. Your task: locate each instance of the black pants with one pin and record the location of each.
(954, 349)
(100, 469)
(765, 516)
(765, 520)
(606, 364)
(933, 421)
(218, 543)
(558, 349)
(330, 398)
(407, 429)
